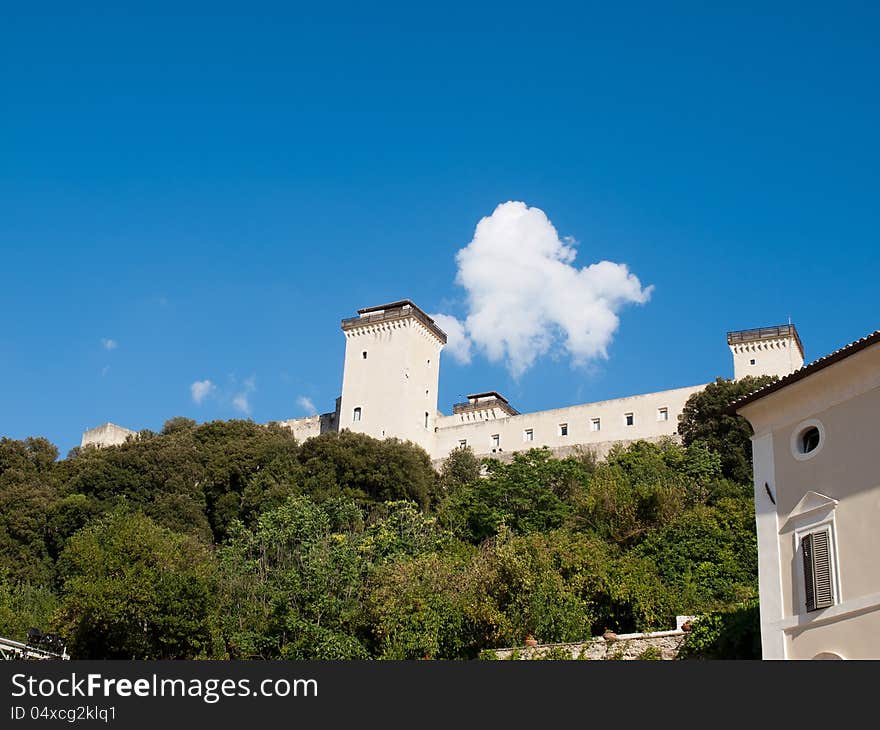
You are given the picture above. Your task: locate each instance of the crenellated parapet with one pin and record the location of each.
(766, 351)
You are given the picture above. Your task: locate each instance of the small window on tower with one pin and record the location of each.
(528, 435)
(752, 361)
(364, 354)
(356, 416)
(563, 429)
(496, 440)
(630, 419)
(426, 419)
(596, 424)
(462, 444)
(662, 414)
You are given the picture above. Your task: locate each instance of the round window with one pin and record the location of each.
(810, 440)
(807, 439)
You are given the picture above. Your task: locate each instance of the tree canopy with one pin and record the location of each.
(705, 418)
(231, 539)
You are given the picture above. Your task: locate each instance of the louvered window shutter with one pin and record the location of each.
(817, 570)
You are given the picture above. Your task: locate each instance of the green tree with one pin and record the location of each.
(427, 607)
(459, 469)
(732, 633)
(365, 469)
(134, 590)
(22, 606)
(708, 556)
(178, 423)
(25, 508)
(27, 459)
(640, 487)
(531, 493)
(705, 418)
(192, 479)
(292, 586)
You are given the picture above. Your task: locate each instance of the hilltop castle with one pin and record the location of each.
(391, 374)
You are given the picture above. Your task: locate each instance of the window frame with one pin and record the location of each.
(797, 439)
(824, 523)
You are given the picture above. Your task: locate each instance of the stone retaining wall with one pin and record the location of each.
(626, 646)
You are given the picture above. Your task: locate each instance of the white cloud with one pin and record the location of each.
(526, 298)
(200, 390)
(241, 401)
(458, 344)
(307, 405)
(109, 344)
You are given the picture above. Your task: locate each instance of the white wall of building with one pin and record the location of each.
(766, 356)
(836, 485)
(477, 428)
(395, 384)
(107, 434)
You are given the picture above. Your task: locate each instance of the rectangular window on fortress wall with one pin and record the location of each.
(662, 414)
(630, 419)
(528, 435)
(563, 429)
(596, 424)
(496, 441)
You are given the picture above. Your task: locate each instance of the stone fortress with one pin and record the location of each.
(391, 374)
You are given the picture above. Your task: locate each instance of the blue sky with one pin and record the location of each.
(213, 187)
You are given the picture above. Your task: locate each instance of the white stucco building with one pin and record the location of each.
(391, 376)
(817, 506)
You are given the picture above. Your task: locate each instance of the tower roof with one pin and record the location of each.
(823, 362)
(485, 401)
(765, 333)
(394, 311)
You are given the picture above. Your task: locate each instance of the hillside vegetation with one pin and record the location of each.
(231, 540)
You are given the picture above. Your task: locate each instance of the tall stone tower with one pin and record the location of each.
(391, 373)
(766, 351)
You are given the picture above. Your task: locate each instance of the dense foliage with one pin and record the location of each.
(706, 418)
(230, 539)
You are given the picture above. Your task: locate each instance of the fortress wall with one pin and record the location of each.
(600, 450)
(545, 425)
(304, 428)
(107, 434)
